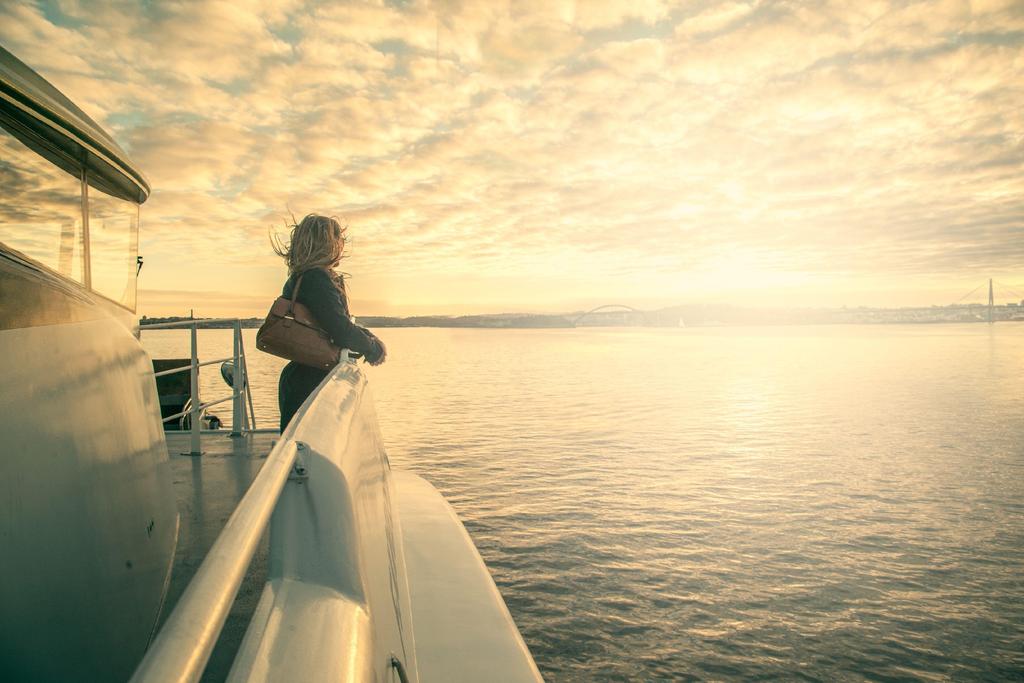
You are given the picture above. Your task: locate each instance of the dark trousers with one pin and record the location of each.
(296, 384)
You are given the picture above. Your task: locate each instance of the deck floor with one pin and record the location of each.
(208, 488)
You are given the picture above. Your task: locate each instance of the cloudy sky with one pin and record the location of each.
(535, 156)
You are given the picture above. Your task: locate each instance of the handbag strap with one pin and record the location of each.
(295, 294)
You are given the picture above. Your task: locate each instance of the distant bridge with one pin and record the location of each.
(991, 297)
(607, 308)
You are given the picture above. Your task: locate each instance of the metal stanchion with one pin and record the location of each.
(197, 445)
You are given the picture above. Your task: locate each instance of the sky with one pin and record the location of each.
(553, 156)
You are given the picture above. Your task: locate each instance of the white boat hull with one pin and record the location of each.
(464, 632)
(89, 519)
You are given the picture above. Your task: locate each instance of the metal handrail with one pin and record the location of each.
(397, 665)
(187, 412)
(183, 368)
(186, 323)
(242, 420)
(184, 644)
(202, 407)
(177, 415)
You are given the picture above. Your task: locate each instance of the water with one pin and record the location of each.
(721, 503)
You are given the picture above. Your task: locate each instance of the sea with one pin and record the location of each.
(798, 503)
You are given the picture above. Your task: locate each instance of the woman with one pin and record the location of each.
(314, 250)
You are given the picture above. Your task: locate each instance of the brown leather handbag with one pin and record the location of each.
(290, 331)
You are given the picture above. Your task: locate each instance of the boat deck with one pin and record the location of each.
(208, 488)
(463, 629)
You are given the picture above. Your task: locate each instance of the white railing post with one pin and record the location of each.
(250, 416)
(238, 386)
(197, 446)
(249, 425)
(241, 395)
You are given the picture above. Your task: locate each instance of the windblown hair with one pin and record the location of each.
(315, 242)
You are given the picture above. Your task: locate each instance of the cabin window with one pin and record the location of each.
(40, 209)
(113, 246)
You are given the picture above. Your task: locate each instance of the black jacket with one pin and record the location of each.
(329, 305)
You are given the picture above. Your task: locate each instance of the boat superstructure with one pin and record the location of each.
(367, 575)
(88, 521)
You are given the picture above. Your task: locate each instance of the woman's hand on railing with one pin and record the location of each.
(377, 353)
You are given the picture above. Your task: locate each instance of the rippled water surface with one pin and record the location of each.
(723, 503)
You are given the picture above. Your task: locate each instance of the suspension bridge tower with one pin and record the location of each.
(991, 302)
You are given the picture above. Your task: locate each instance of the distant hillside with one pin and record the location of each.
(500, 320)
(694, 315)
(203, 323)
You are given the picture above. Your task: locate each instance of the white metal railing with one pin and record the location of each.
(242, 420)
(184, 644)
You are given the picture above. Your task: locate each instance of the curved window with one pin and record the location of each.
(40, 209)
(113, 246)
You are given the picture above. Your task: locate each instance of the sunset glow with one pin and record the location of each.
(551, 156)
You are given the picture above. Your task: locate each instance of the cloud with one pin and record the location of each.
(615, 145)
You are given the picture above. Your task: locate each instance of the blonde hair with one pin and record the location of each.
(315, 242)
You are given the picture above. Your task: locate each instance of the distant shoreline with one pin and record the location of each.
(677, 316)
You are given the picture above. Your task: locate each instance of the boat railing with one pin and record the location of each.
(243, 417)
(184, 644)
